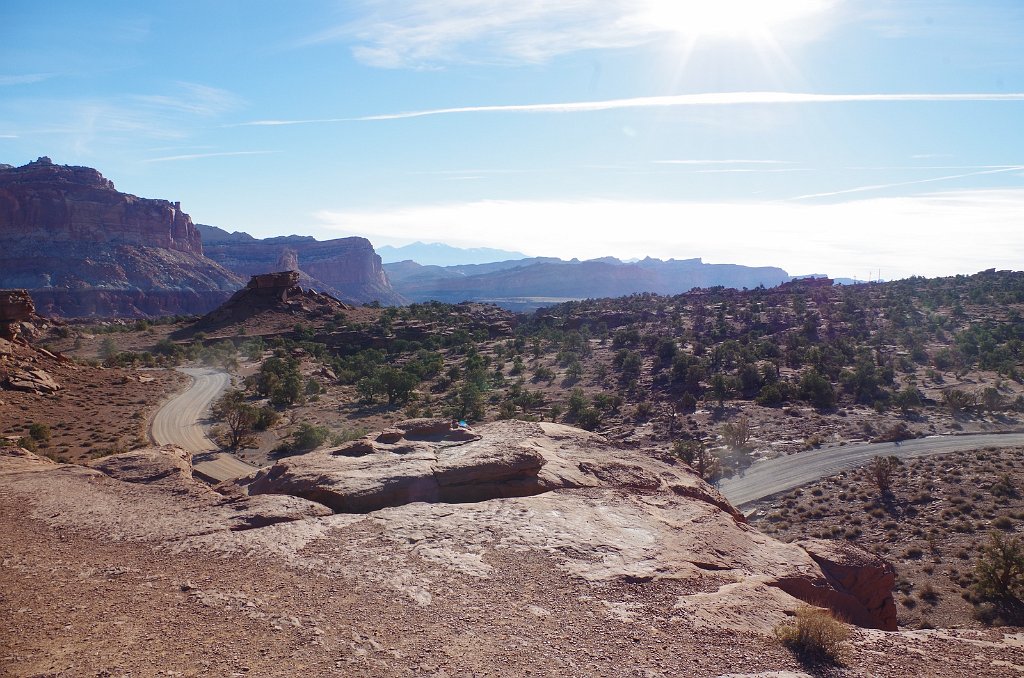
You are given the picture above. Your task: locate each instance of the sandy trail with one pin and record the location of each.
(179, 422)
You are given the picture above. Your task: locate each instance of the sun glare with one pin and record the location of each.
(743, 19)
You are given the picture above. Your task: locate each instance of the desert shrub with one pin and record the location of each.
(29, 444)
(39, 432)
(1004, 487)
(696, 454)
(816, 635)
(999, 572)
(882, 470)
(736, 434)
(308, 437)
(266, 417)
(348, 435)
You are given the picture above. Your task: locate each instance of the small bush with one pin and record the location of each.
(815, 636)
(39, 432)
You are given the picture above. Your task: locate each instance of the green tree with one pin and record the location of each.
(696, 455)
(720, 388)
(308, 437)
(816, 389)
(908, 399)
(999, 572)
(237, 415)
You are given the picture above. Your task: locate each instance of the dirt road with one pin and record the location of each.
(766, 478)
(178, 422)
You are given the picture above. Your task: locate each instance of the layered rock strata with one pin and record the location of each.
(346, 268)
(82, 248)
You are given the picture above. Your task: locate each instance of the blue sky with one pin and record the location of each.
(838, 136)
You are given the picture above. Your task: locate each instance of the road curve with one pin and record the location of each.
(177, 422)
(765, 478)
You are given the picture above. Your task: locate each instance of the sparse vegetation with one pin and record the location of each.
(815, 636)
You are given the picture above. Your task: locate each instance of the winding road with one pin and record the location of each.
(765, 478)
(177, 422)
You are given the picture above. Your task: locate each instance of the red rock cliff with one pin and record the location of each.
(62, 203)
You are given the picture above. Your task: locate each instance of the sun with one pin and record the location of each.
(729, 19)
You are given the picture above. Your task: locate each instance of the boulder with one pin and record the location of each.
(148, 465)
(868, 579)
(31, 379)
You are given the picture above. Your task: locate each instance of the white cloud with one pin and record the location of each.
(190, 98)
(431, 33)
(25, 79)
(197, 156)
(724, 162)
(937, 234)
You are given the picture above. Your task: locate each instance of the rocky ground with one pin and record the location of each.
(90, 412)
(618, 568)
(932, 527)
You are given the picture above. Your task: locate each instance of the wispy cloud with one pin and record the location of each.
(724, 162)
(935, 234)
(433, 33)
(878, 187)
(675, 100)
(191, 98)
(198, 156)
(8, 136)
(25, 79)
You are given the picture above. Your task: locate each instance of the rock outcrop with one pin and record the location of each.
(270, 292)
(569, 493)
(82, 248)
(22, 364)
(61, 203)
(16, 307)
(346, 268)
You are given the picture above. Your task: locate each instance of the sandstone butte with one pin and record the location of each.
(516, 548)
(346, 268)
(82, 248)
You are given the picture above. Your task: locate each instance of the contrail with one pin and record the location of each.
(708, 99)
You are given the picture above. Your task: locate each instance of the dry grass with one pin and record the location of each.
(816, 636)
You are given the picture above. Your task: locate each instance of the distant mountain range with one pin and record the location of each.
(527, 284)
(440, 254)
(83, 248)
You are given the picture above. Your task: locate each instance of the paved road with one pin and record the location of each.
(765, 478)
(178, 422)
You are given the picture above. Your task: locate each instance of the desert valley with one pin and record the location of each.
(308, 472)
(443, 338)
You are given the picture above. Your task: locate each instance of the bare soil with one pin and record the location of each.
(932, 527)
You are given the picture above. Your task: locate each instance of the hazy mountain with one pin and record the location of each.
(440, 254)
(530, 283)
